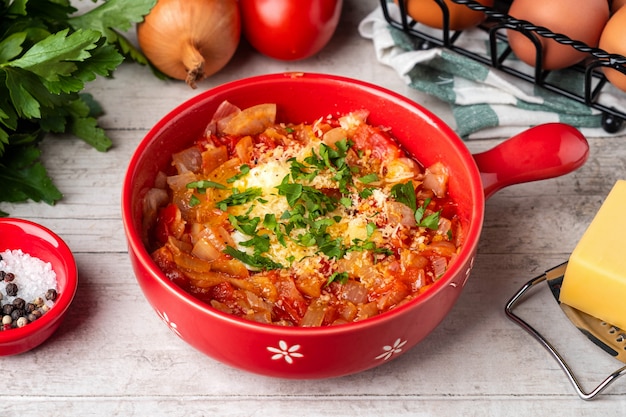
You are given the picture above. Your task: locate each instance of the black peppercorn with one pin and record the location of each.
(9, 276)
(51, 294)
(30, 307)
(2, 274)
(11, 289)
(17, 313)
(19, 303)
(7, 309)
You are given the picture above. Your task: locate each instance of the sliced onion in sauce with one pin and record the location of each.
(189, 159)
(205, 250)
(436, 179)
(314, 315)
(439, 264)
(251, 121)
(354, 292)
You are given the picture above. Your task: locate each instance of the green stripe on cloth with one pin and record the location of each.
(404, 40)
(470, 119)
(454, 63)
(432, 81)
(592, 121)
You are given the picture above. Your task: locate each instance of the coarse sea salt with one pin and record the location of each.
(33, 276)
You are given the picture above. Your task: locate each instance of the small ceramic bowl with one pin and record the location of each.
(39, 242)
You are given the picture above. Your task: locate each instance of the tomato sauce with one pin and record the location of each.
(309, 224)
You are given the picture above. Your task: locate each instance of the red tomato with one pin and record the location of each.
(289, 29)
(169, 223)
(378, 141)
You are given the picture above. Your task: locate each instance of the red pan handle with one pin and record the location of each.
(541, 152)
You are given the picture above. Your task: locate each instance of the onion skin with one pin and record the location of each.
(190, 39)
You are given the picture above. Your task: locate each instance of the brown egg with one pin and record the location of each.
(616, 5)
(613, 41)
(582, 21)
(430, 14)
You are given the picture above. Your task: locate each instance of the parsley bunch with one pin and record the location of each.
(47, 55)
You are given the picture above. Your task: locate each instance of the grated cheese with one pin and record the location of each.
(316, 207)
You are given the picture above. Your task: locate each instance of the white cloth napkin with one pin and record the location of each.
(486, 102)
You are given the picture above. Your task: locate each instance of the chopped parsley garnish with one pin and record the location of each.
(303, 172)
(243, 171)
(341, 277)
(193, 201)
(244, 224)
(431, 221)
(310, 214)
(333, 248)
(369, 178)
(405, 194)
(271, 224)
(345, 201)
(255, 261)
(202, 185)
(365, 193)
(260, 244)
(239, 197)
(292, 192)
(371, 228)
(335, 161)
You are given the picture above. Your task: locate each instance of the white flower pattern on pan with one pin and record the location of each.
(390, 350)
(284, 351)
(169, 323)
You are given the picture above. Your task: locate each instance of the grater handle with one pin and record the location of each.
(550, 348)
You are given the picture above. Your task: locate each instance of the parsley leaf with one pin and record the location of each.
(239, 197)
(271, 224)
(194, 201)
(365, 193)
(333, 248)
(244, 224)
(260, 243)
(47, 54)
(341, 277)
(369, 178)
(56, 56)
(22, 176)
(302, 172)
(243, 171)
(114, 17)
(202, 185)
(254, 261)
(292, 192)
(335, 161)
(405, 194)
(431, 221)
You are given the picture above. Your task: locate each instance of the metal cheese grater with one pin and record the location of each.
(609, 338)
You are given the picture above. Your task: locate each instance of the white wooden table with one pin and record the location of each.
(114, 356)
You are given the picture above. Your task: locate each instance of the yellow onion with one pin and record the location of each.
(190, 39)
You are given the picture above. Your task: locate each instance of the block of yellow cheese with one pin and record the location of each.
(595, 278)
